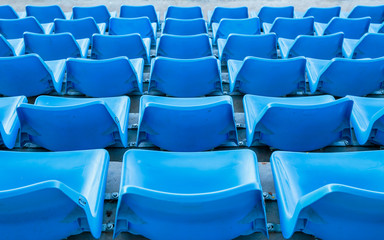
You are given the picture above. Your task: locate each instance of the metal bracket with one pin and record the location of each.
(133, 126)
(111, 196)
(274, 227)
(107, 227)
(269, 196)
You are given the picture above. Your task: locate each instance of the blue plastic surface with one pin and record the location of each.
(184, 47)
(333, 196)
(290, 27)
(55, 46)
(62, 124)
(352, 28)
(186, 124)
(341, 77)
(7, 12)
(185, 77)
(100, 13)
(226, 12)
(6, 49)
(185, 26)
(9, 120)
(183, 12)
(15, 28)
(105, 78)
(29, 75)
(267, 77)
(322, 15)
(298, 123)
(238, 46)
(50, 196)
(248, 26)
(269, 14)
(319, 47)
(205, 196)
(140, 25)
(129, 45)
(127, 11)
(376, 13)
(371, 45)
(45, 14)
(79, 28)
(367, 119)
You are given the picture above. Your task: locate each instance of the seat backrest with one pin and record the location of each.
(79, 28)
(323, 15)
(7, 12)
(293, 27)
(269, 14)
(249, 26)
(45, 14)
(6, 49)
(232, 13)
(185, 26)
(140, 25)
(15, 28)
(184, 12)
(376, 13)
(139, 11)
(352, 28)
(371, 45)
(99, 13)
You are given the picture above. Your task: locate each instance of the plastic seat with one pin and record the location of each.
(149, 11)
(47, 195)
(105, 78)
(185, 26)
(340, 77)
(290, 27)
(319, 47)
(184, 47)
(376, 13)
(249, 26)
(29, 75)
(269, 14)
(55, 46)
(186, 124)
(321, 15)
(367, 119)
(99, 13)
(238, 46)
(267, 77)
(141, 25)
(352, 28)
(62, 124)
(371, 45)
(376, 28)
(45, 15)
(330, 195)
(298, 123)
(183, 12)
(185, 77)
(7, 48)
(15, 28)
(176, 185)
(9, 121)
(7, 12)
(79, 28)
(223, 12)
(130, 45)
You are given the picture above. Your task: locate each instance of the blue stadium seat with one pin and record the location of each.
(352, 28)
(99, 13)
(290, 27)
(105, 78)
(11, 47)
(29, 75)
(340, 77)
(140, 25)
(79, 28)
(185, 77)
(140, 11)
(298, 123)
(184, 47)
(248, 26)
(367, 119)
(45, 15)
(238, 46)
(219, 13)
(182, 198)
(371, 45)
(183, 12)
(269, 14)
(15, 28)
(319, 47)
(129, 45)
(184, 26)
(376, 28)
(321, 15)
(330, 195)
(9, 121)
(7, 12)
(47, 195)
(186, 124)
(55, 46)
(267, 77)
(376, 13)
(62, 124)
